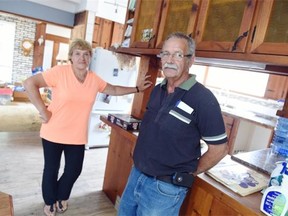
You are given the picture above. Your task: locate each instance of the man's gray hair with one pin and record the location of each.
(190, 41)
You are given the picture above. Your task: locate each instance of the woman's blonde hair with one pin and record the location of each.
(81, 45)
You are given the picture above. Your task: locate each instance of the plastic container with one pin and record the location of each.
(280, 138)
(275, 198)
(276, 176)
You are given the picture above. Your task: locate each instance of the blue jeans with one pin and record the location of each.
(147, 196)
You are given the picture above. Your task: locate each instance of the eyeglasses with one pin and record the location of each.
(175, 56)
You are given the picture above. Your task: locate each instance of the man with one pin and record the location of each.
(167, 154)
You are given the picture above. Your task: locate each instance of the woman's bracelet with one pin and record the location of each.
(137, 89)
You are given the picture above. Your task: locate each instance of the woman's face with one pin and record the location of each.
(81, 58)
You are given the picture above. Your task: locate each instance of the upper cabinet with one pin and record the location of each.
(224, 25)
(155, 20)
(250, 30)
(145, 24)
(270, 28)
(180, 16)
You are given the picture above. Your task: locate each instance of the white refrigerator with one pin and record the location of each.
(104, 63)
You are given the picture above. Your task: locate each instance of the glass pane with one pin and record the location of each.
(224, 20)
(7, 37)
(146, 17)
(237, 80)
(48, 54)
(178, 16)
(278, 29)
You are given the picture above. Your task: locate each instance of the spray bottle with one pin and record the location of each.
(275, 198)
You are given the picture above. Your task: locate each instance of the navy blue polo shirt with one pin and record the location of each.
(172, 126)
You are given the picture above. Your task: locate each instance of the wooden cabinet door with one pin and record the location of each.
(231, 126)
(177, 16)
(147, 15)
(218, 207)
(271, 28)
(224, 25)
(106, 33)
(117, 35)
(118, 166)
(97, 32)
(197, 202)
(277, 87)
(102, 34)
(79, 29)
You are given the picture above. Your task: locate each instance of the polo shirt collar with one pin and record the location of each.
(185, 85)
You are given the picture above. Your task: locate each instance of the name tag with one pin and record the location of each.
(183, 106)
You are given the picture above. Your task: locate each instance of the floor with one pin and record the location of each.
(19, 117)
(21, 164)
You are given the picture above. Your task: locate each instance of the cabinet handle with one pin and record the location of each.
(253, 34)
(238, 40)
(151, 37)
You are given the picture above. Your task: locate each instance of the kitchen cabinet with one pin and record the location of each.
(231, 126)
(119, 161)
(117, 34)
(208, 197)
(277, 87)
(97, 32)
(145, 24)
(102, 35)
(162, 18)
(249, 30)
(106, 33)
(224, 25)
(6, 204)
(284, 111)
(177, 16)
(270, 28)
(79, 29)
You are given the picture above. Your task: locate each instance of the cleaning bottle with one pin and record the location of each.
(275, 198)
(276, 175)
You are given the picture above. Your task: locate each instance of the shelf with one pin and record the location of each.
(135, 51)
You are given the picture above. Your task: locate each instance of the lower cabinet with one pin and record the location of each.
(119, 161)
(204, 203)
(231, 126)
(206, 197)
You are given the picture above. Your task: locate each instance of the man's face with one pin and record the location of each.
(174, 62)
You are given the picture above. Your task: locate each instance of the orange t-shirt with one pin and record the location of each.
(71, 105)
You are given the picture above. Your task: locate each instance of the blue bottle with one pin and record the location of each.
(280, 138)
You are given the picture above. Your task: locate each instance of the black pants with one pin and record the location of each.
(54, 189)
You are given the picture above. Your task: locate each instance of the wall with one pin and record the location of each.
(251, 137)
(113, 10)
(25, 28)
(39, 12)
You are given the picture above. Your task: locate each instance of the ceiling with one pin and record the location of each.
(72, 6)
(75, 6)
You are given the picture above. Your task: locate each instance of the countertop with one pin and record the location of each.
(261, 160)
(258, 118)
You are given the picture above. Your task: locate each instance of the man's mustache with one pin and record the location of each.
(170, 66)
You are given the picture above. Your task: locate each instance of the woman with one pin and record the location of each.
(65, 121)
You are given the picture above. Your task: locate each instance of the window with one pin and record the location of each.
(7, 37)
(246, 82)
